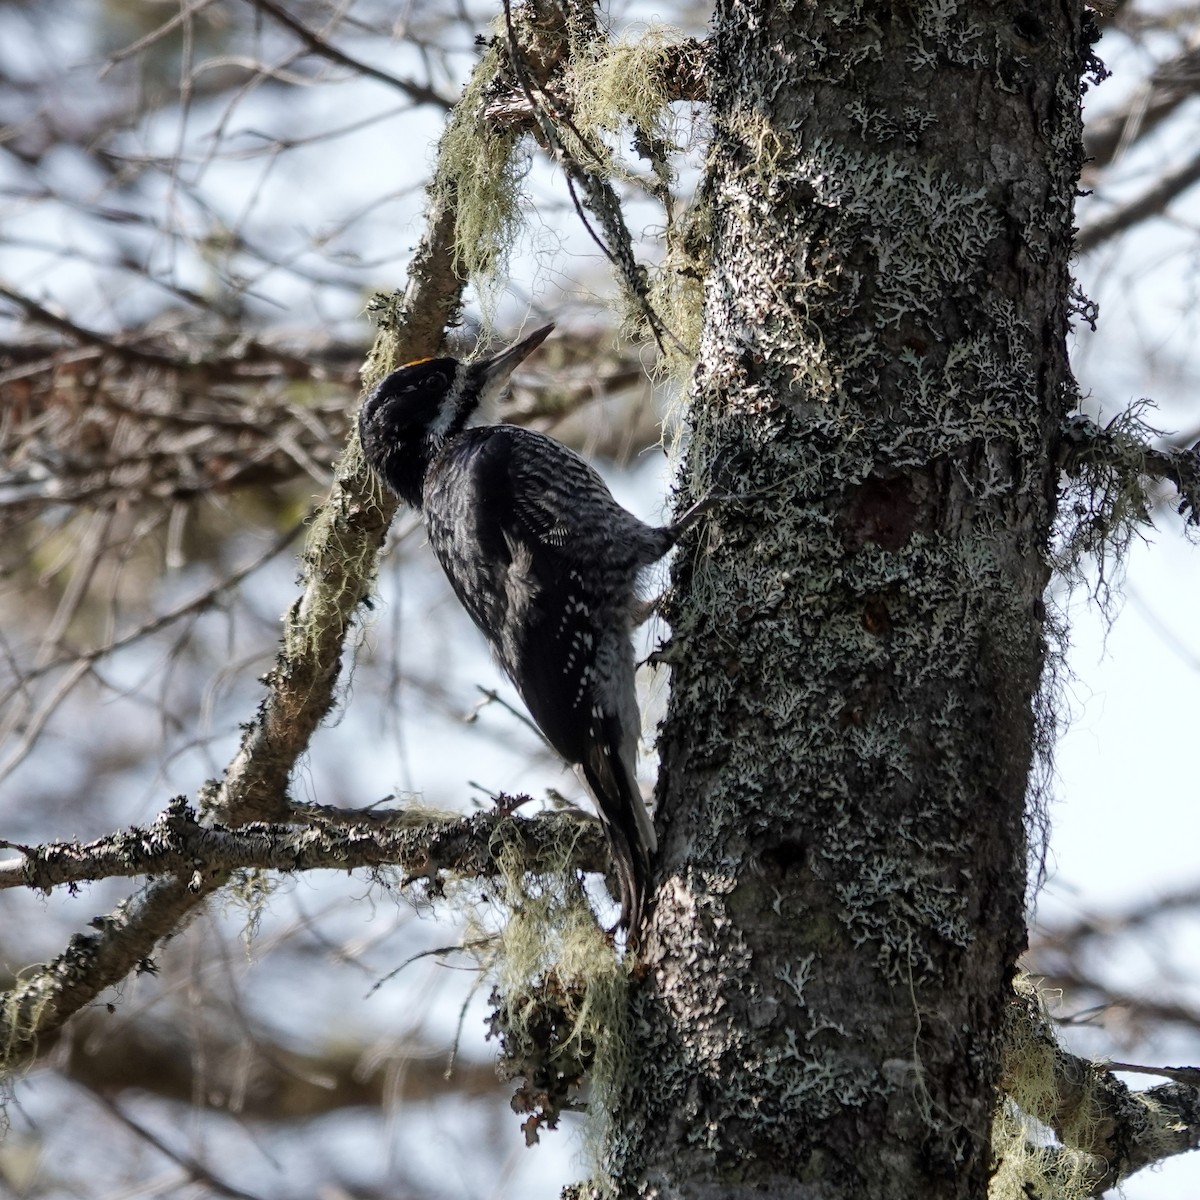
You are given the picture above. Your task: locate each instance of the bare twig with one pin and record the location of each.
(1188, 1076)
(318, 45)
(196, 604)
(1069, 937)
(195, 1170)
(1172, 83)
(1106, 1000)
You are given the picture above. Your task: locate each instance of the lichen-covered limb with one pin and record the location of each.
(585, 161)
(338, 563)
(193, 861)
(1085, 445)
(423, 843)
(1108, 1131)
(1151, 203)
(45, 998)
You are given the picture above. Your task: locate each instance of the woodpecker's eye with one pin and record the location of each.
(411, 395)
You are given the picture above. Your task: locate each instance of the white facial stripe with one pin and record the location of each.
(440, 426)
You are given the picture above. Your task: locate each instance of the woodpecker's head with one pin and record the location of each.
(411, 415)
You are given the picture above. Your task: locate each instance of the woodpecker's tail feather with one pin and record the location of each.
(613, 786)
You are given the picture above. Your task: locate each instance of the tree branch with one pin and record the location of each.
(423, 842)
(598, 193)
(86, 337)
(195, 860)
(319, 46)
(339, 559)
(1149, 204)
(195, 1170)
(247, 1071)
(1069, 937)
(1099, 997)
(338, 565)
(1090, 1110)
(1172, 83)
(1084, 444)
(40, 1003)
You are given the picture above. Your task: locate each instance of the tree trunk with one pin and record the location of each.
(859, 645)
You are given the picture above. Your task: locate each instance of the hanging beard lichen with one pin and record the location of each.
(1048, 1111)
(560, 997)
(479, 172)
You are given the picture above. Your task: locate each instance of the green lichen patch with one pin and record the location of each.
(1030, 1159)
(624, 83)
(677, 293)
(479, 173)
(560, 1007)
(1108, 504)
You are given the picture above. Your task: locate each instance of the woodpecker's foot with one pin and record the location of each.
(693, 514)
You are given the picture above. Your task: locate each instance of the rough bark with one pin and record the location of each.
(860, 641)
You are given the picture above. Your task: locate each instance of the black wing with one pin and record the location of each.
(524, 530)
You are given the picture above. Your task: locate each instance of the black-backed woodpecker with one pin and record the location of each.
(545, 561)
